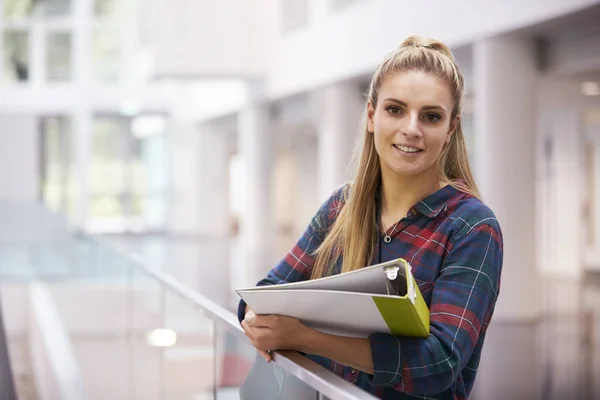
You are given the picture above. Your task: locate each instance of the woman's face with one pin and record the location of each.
(412, 122)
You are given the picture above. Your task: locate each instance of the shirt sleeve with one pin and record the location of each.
(297, 265)
(462, 303)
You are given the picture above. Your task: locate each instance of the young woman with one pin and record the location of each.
(413, 196)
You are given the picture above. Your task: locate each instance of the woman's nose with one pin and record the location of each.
(411, 127)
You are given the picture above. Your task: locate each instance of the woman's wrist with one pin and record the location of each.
(307, 340)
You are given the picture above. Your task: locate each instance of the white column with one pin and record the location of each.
(256, 226)
(568, 156)
(184, 204)
(80, 143)
(563, 186)
(199, 164)
(37, 55)
(505, 128)
(213, 182)
(82, 116)
(341, 107)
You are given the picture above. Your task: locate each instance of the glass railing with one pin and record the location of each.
(86, 321)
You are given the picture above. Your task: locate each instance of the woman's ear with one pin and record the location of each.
(370, 114)
(453, 126)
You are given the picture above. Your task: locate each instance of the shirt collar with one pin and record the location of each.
(432, 205)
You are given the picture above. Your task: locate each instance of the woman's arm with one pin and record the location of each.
(462, 303)
(298, 263)
(276, 332)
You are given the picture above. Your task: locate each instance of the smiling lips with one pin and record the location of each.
(407, 149)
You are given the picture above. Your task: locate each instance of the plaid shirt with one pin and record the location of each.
(454, 245)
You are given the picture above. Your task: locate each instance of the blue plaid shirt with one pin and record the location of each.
(454, 245)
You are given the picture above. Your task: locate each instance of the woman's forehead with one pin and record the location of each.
(416, 87)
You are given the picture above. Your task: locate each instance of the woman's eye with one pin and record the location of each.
(432, 117)
(393, 110)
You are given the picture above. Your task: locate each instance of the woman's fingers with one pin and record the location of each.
(265, 354)
(248, 331)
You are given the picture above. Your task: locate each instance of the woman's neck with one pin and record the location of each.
(399, 194)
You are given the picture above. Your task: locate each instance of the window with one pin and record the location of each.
(108, 8)
(16, 56)
(57, 183)
(106, 55)
(58, 56)
(23, 8)
(108, 170)
(128, 178)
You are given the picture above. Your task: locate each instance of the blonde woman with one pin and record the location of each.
(413, 196)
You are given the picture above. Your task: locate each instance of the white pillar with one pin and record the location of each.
(80, 142)
(256, 226)
(566, 186)
(561, 202)
(82, 116)
(199, 205)
(37, 55)
(213, 182)
(340, 109)
(505, 128)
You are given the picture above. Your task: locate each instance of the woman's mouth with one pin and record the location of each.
(407, 149)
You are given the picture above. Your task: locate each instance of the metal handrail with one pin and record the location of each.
(7, 386)
(309, 372)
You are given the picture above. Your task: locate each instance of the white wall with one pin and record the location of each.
(19, 157)
(208, 38)
(352, 41)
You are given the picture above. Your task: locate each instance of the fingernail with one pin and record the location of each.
(266, 359)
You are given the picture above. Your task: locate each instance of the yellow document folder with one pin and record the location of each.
(381, 298)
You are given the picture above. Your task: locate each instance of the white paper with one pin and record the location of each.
(365, 280)
(329, 311)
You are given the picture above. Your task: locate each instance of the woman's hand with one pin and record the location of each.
(273, 332)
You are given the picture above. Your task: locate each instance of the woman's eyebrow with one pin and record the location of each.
(424, 108)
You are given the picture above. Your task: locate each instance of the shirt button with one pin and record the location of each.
(352, 371)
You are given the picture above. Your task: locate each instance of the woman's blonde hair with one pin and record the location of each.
(354, 234)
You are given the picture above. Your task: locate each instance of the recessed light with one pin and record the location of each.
(162, 338)
(590, 88)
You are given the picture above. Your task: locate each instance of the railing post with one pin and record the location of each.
(7, 386)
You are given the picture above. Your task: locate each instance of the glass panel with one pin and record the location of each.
(21, 8)
(106, 53)
(107, 8)
(108, 180)
(58, 57)
(18, 8)
(16, 56)
(96, 312)
(243, 373)
(15, 262)
(147, 315)
(149, 166)
(188, 355)
(55, 162)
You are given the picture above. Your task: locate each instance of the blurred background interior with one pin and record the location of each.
(155, 155)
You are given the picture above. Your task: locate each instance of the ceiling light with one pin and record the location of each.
(590, 88)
